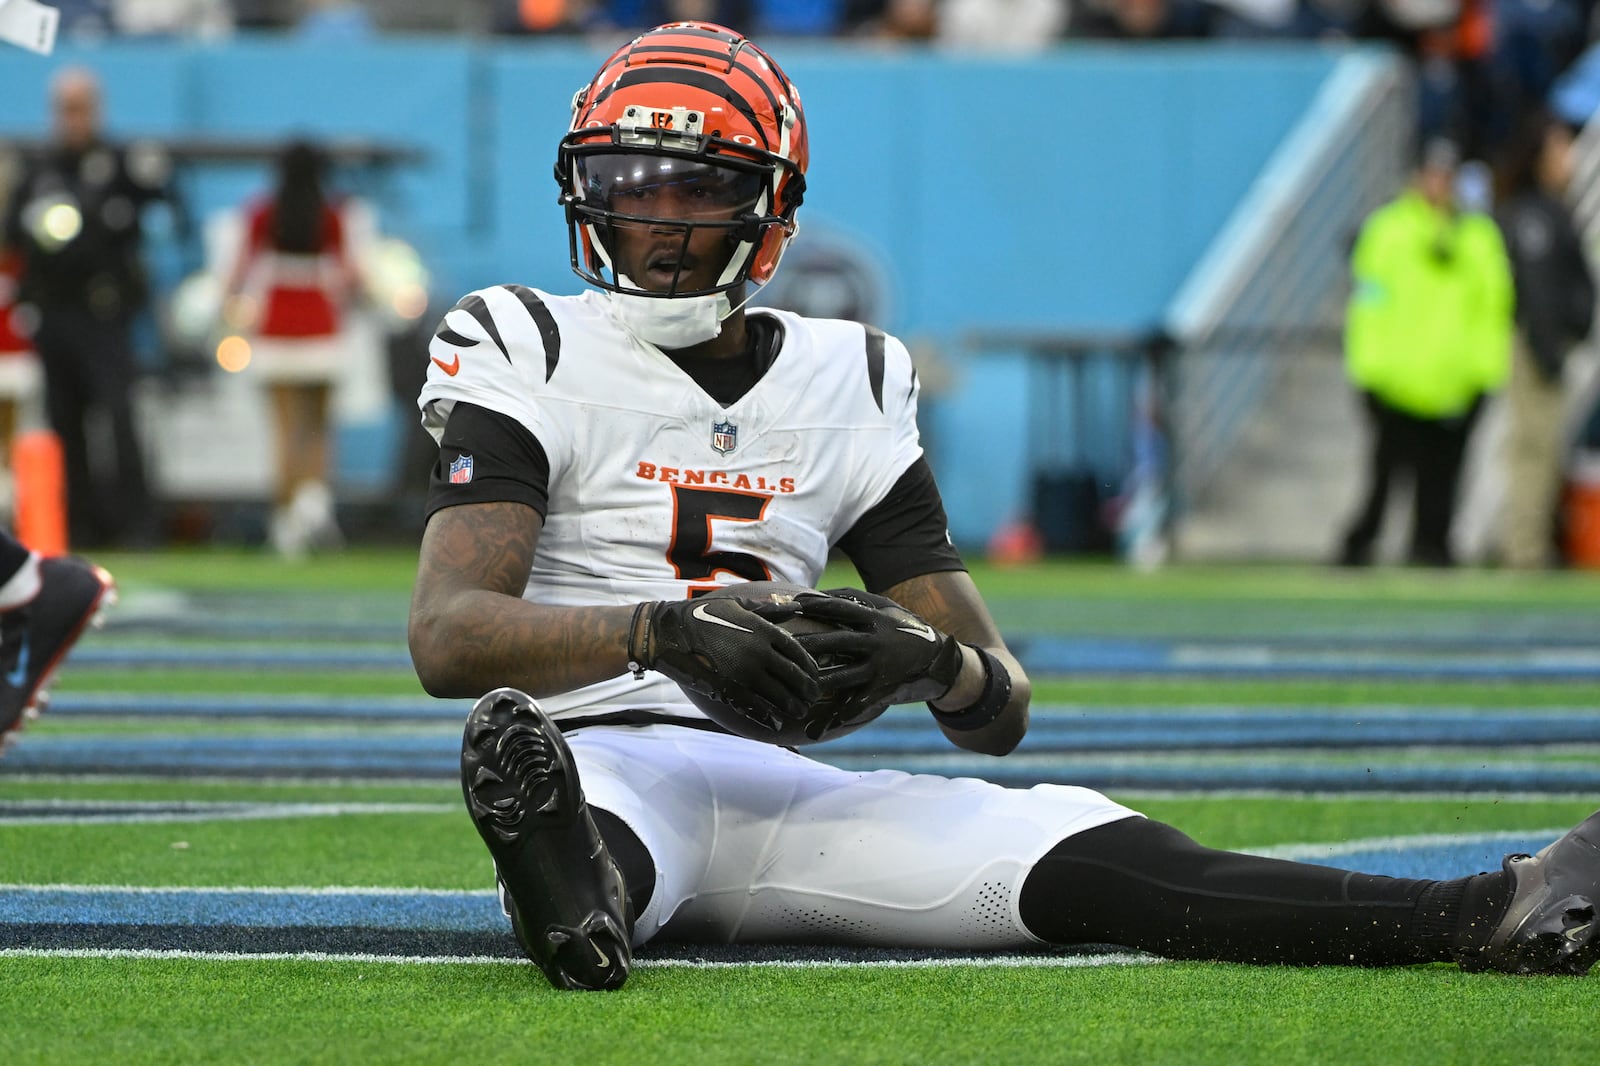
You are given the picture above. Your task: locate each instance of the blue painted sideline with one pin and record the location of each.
(203, 624)
(1073, 728)
(286, 707)
(1437, 861)
(101, 657)
(387, 910)
(436, 755)
(1041, 656)
(479, 911)
(1235, 658)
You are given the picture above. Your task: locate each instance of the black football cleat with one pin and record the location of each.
(1549, 926)
(36, 636)
(562, 890)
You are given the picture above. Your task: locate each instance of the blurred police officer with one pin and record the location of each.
(74, 218)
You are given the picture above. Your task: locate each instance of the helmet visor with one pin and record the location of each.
(670, 188)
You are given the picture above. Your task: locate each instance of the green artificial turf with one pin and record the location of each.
(133, 1011)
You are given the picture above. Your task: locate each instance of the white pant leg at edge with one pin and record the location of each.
(753, 843)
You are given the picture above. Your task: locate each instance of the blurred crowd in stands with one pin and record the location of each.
(1482, 67)
(1480, 62)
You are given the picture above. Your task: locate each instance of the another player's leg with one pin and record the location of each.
(45, 605)
(565, 895)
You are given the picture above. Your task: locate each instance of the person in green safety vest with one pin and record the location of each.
(1427, 336)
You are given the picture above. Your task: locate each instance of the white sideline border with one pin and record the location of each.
(1012, 962)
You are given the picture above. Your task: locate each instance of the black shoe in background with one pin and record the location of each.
(36, 636)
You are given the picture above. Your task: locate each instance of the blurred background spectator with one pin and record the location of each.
(1555, 310)
(1142, 20)
(74, 222)
(205, 19)
(20, 376)
(895, 20)
(543, 16)
(1002, 25)
(335, 20)
(84, 20)
(1427, 337)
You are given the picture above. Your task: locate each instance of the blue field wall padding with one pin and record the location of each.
(526, 97)
(1071, 191)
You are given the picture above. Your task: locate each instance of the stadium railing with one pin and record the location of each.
(1149, 416)
(1272, 285)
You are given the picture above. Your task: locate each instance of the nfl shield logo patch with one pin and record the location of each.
(724, 435)
(461, 470)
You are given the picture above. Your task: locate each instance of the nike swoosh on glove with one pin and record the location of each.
(878, 650)
(720, 647)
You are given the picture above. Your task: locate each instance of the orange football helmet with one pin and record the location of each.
(699, 107)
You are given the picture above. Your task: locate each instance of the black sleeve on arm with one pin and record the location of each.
(904, 535)
(1552, 281)
(492, 458)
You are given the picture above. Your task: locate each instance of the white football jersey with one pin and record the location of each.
(656, 489)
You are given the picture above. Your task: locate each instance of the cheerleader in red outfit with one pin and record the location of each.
(294, 279)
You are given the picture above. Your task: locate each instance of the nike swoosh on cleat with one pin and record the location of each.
(451, 367)
(605, 960)
(925, 631)
(704, 615)
(19, 673)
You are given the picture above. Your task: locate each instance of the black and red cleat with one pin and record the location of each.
(36, 636)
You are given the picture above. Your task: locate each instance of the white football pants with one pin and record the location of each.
(756, 843)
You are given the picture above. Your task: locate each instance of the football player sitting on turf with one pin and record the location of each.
(608, 457)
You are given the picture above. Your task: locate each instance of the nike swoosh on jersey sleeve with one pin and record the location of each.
(492, 349)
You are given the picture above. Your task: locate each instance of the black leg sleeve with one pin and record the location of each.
(628, 852)
(1146, 885)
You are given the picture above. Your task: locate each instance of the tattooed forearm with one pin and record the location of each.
(471, 631)
(951, 602)
(488, 546)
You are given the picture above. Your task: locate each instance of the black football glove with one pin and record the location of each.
(878, 650)
(720, 647)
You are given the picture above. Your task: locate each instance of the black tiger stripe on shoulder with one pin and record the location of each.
(451, 337)
(473, 305)
(875, 342)
(549, 332)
